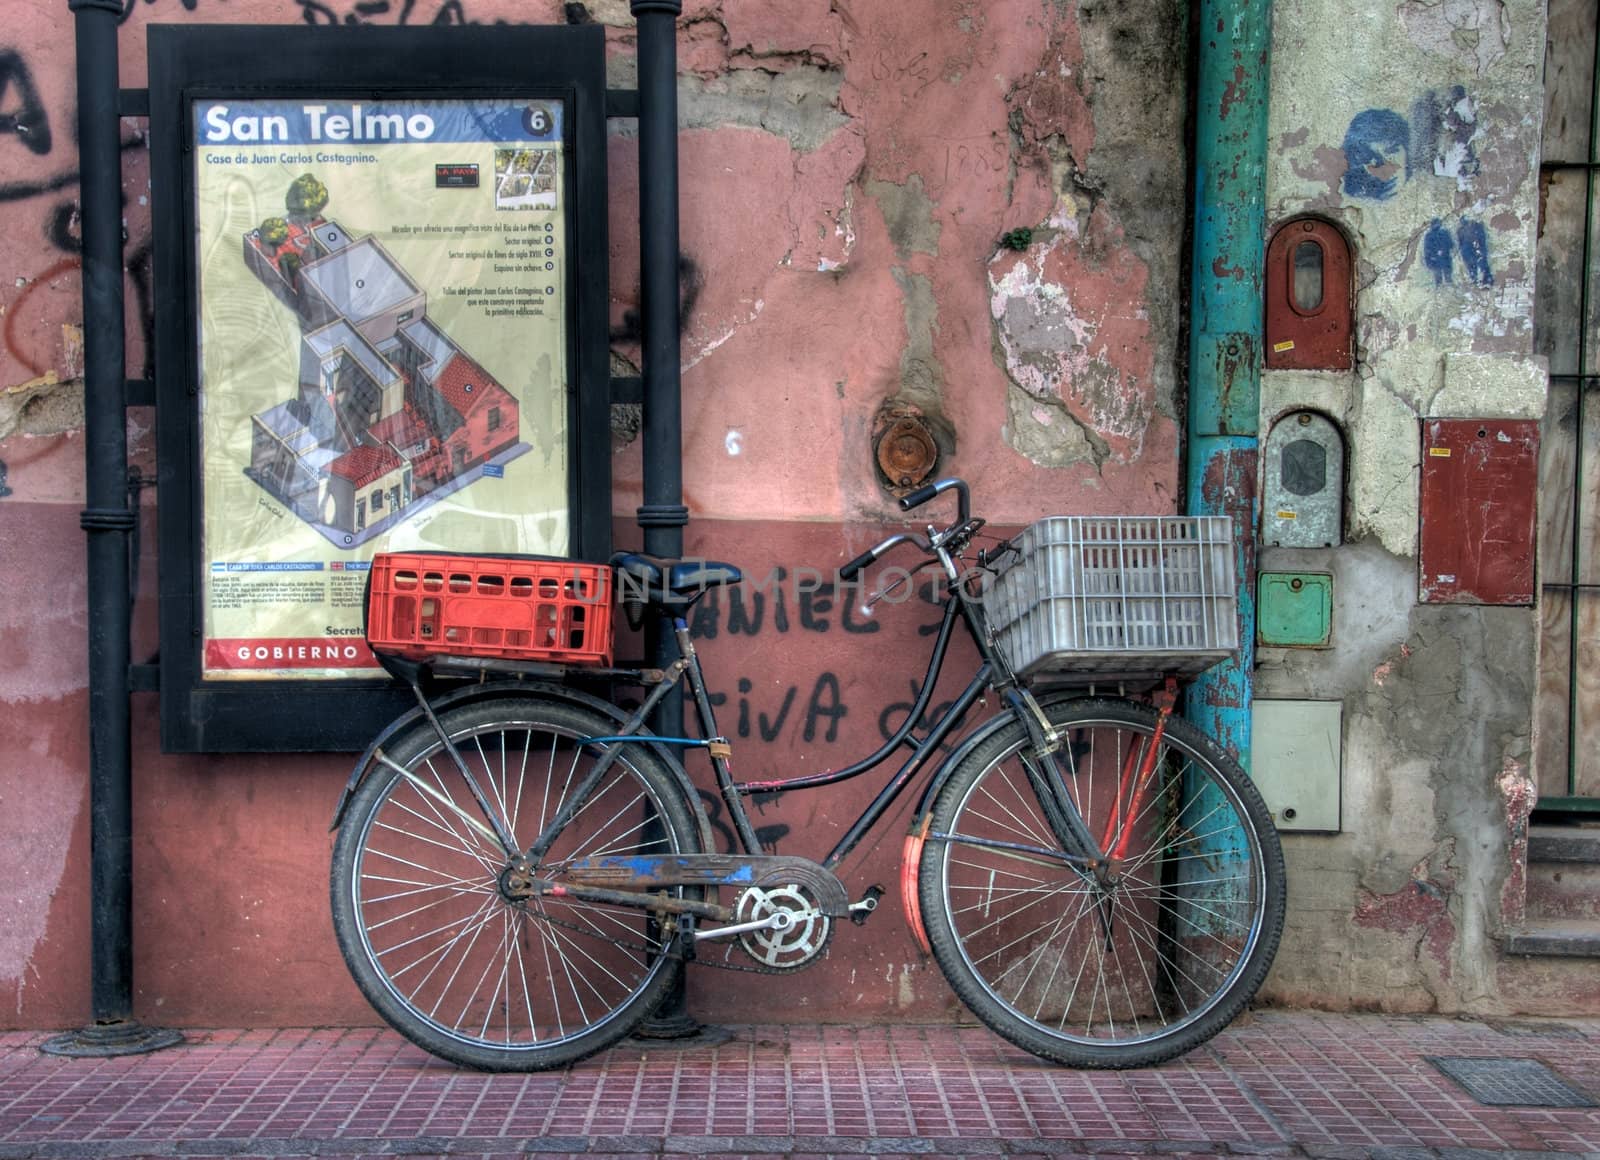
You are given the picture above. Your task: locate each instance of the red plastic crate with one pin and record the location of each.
(424, 604)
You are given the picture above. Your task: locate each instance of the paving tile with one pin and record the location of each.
(1279, 1083)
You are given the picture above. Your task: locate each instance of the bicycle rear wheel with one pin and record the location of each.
(1124, 971)
(443, 948)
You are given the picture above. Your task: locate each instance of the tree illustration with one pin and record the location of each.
(289, 266)
(306, 197)
(274, 232)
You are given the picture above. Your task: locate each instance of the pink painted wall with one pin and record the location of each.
(848, 171)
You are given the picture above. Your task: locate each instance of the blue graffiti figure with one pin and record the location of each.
(1473, 241)
(1377, 153)
(1438, 252)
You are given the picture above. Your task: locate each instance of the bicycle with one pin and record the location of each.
(521, 869)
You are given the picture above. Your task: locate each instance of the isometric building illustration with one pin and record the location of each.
(389, 413)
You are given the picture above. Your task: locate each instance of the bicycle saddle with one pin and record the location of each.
(669, 583)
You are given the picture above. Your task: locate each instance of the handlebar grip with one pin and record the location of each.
(923, 494)
(919, 497)
(849, 571)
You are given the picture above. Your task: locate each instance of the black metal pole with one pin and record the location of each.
(108, 519)
(662, 515)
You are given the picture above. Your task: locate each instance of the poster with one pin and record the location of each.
(382, 332)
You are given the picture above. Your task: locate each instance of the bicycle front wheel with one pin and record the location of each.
(1128, 963)
(440, 941)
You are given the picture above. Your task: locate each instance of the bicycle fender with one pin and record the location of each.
(978, 737)
(415, 718)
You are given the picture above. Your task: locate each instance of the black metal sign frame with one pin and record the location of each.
(336, 68)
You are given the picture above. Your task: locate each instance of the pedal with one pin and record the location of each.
(686, 936)
(859, 911)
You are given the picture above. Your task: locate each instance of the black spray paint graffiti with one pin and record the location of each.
(377, 11)
(789, 603)
(360, 12)
(28, 120)
(632, 329)
(767, 837)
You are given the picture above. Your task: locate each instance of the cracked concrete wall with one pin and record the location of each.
(1415, 126)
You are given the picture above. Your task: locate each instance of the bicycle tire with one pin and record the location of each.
(1029, 942)
(434, 943)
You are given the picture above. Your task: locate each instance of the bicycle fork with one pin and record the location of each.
(1104, 857)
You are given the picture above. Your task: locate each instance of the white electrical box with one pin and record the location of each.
(1296, 762)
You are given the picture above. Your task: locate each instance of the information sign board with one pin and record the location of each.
(382, 338)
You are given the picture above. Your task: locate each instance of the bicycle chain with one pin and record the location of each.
(677, 955)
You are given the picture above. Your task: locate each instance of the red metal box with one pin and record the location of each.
(422, 604)
(1480, 489)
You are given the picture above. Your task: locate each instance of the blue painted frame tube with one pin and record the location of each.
(1233, 64)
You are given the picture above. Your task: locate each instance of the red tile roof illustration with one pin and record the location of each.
(402, 429)
(362, 465)
(463, 383)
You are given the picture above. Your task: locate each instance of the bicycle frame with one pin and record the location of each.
(735, 792)
(688, 667)
(992, 671)
(1080, 847)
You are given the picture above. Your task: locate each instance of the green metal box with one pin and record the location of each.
(1294, 609)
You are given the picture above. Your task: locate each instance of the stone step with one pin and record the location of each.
(1563, 889)
(1548, 985)
(1570, 937)
(1550, 843)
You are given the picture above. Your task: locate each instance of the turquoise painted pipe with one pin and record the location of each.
(1233, 63)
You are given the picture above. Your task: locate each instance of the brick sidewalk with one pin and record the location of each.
(1277, 1083)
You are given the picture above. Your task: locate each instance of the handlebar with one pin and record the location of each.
(916, 499)
(923, 494)
(850, 570)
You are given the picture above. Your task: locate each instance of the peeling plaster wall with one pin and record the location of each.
(849, 169)
(1415, 126)
(849, 172)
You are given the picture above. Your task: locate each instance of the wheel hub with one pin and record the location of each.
(516, 881)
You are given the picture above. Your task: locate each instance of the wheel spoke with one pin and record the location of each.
(1129, 962)
(429, 912)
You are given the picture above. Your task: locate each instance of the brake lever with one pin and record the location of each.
(987, 557)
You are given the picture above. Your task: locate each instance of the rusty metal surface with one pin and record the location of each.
(1318, 338)
(1480, 482)
(906, 450)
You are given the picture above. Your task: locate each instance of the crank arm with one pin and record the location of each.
(777, 920)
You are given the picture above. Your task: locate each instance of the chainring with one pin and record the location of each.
(791, 948)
